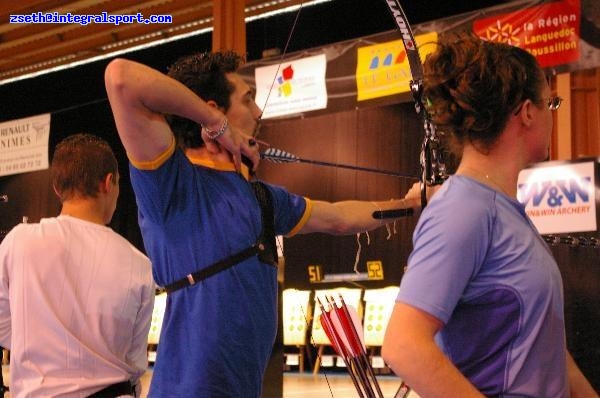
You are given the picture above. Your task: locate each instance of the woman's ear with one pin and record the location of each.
(527, 112)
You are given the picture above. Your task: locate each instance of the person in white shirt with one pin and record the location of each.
(76, 298)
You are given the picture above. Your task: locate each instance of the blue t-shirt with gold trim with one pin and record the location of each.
(217, 335)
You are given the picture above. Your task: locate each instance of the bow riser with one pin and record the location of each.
(432, 164)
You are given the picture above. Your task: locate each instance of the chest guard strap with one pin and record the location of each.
(265, 248)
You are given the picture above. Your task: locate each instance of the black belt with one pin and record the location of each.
(115, 390)
(219, 266)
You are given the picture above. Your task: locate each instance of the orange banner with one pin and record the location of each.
(550, 31)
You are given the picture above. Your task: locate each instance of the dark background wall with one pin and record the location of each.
(375, 137)
(76, 97)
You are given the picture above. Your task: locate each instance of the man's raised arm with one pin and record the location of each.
(140, 97)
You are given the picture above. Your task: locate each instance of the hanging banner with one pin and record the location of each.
(550, 32)
(564, 36)
(299, 86)
(24, 145)
(560, 199)
(383, 69)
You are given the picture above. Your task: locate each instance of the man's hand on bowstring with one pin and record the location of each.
(235, 142)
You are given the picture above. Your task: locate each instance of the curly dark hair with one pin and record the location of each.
(472, 86)
(204, 74)
(80, 162)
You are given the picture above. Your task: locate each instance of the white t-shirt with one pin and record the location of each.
(76, 302)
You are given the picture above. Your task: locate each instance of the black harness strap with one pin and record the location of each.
(267, 234)
(228, 262)
(115, 390)
(265, 248)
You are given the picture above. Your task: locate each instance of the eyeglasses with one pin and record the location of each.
(553, 103)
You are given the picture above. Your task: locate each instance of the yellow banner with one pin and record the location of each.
(383, 69)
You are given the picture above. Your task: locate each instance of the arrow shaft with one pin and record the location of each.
(360, 168)
(338, 345)
(350, 328)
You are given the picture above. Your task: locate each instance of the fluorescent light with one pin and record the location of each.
(154, 43)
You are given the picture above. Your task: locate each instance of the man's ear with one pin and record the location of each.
(107, 183)
(56, 192)
(212, 103)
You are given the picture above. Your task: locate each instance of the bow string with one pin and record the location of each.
(433, 171)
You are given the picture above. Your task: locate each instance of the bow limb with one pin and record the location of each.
(433, 169)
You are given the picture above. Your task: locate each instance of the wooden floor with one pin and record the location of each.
(307, 385)
(302, 385)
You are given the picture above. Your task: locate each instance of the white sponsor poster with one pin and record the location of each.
(24, 144)
(291, 87)
(560, 199)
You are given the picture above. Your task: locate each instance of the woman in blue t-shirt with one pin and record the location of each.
(480, 308)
